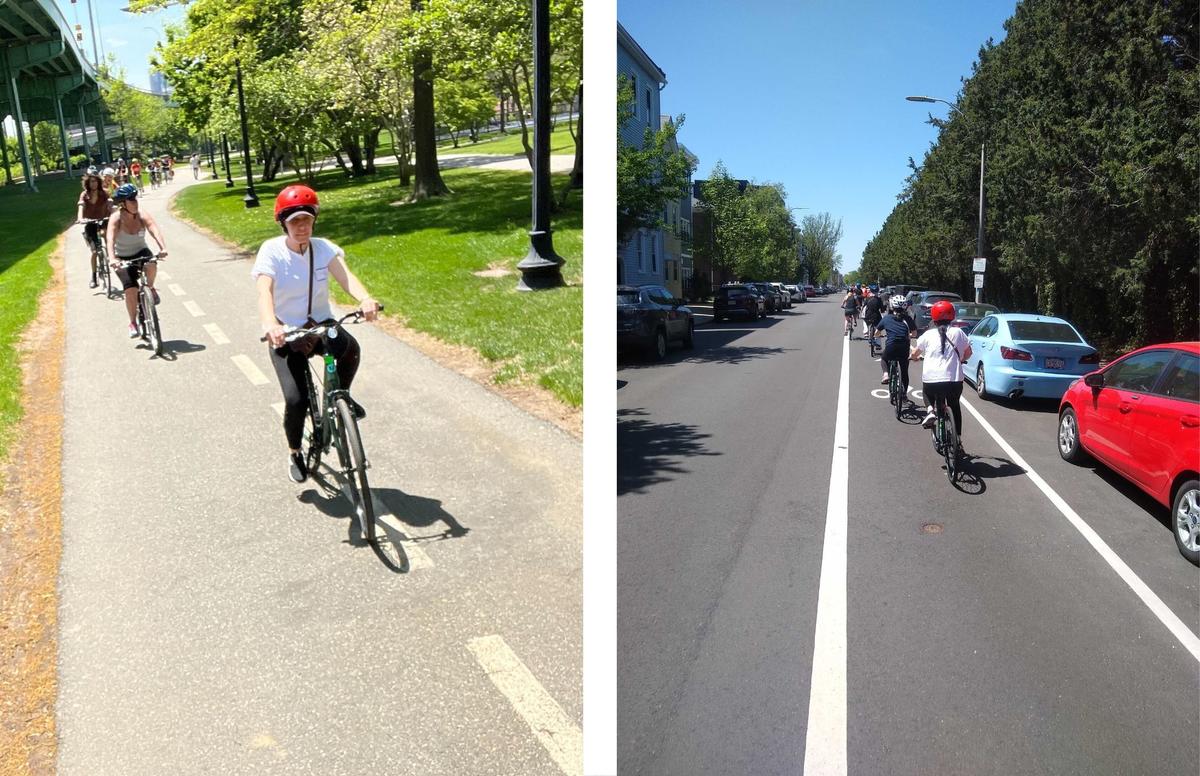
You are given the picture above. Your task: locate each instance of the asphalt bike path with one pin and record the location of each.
(1001, 644)
(217, 618)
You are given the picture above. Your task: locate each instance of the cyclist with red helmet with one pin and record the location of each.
(944, 349)
(292, 274)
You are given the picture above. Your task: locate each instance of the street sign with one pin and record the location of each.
(979, 279)
(980, 266)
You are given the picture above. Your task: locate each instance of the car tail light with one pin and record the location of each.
(1012, 354)
(1090, 358)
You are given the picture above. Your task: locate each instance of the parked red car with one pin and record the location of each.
(1140, 417)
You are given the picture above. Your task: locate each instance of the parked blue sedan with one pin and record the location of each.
(1016, 354)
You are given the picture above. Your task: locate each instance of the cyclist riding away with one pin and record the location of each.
(93, 204)
(898, 328)
(127, 241)
(944, 349)
(872, 312)
(850, 309)
(292, 274)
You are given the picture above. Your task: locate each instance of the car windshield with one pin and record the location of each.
(627, 297)
(734, 291)
(973, 310)
(1042, 331)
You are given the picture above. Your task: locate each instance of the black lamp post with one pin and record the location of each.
(225, 153)
(250, 199)
(541, 266)
(982, 148)
(212, 163)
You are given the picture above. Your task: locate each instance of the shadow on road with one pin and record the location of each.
(712, 346)
(649, 453)
(992, 467)
(172, 348)
(1021, 405)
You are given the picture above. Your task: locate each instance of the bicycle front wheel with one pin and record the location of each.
(354, 469)
(150, 314)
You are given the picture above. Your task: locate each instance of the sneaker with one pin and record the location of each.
(133, 331)
(154, 292)
(930, 419)
(883, 380)
(357, 409)
(297, 469)
(93, 284)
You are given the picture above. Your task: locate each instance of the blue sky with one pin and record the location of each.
(128, 37)
(811, 94)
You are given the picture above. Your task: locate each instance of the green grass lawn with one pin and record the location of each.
(418, 260)
(561, 142)
(30, 224)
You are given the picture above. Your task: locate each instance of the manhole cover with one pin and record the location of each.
(931, 528)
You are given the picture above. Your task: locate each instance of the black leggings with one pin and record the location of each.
(899, 354)
(951, 392)
(91, 234)
(289, 368)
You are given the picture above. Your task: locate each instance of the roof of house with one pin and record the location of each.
(626, 41)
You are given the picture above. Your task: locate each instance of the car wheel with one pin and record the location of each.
(660, 345)
(980, 385)
(1068, 437)
(1185, 514)
(689, 340)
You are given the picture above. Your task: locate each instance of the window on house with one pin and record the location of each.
(649, 115)
(653, 253)
(633, 83)
(641, 238)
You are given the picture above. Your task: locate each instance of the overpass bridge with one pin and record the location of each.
(47, 78)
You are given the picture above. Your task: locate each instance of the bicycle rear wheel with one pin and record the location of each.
(895, 388)
(105, 275)
(150, 315)
(950, 448)
(354, 469)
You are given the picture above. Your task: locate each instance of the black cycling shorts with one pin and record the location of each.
(128, 274)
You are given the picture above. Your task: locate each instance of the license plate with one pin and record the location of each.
(1055, 363)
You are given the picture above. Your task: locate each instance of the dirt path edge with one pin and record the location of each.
(31, 544)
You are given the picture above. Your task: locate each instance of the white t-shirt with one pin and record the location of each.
(290, 270)
(936, 367)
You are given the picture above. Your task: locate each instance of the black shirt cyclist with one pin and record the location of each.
(898, 327)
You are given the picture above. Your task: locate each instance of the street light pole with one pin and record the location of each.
(225, 153)
(540, 268)
(250, 199)
(982, 149)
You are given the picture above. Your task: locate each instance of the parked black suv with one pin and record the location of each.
(648, 317)
(738, 299)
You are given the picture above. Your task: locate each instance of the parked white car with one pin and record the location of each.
(796, 292)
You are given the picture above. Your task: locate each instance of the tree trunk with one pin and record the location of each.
(503, 114)
(428, 181)
(516, 91)
(370, 145)
(353, 153)
(576, 180)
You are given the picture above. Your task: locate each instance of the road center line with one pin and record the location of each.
(1190, 640)
(553, 728)
(176, 289)
(193, 308)
(825, 743)
(249, 369)
(215, 332)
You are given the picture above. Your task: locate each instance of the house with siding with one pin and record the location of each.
(642, 258)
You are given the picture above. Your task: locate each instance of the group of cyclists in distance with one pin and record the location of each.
(942, 348)
(291, 274)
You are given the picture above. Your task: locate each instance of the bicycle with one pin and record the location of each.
(895, 387)
(147, 313)
(872, 338)
(331, 423)
(100, 253)
(945, 438)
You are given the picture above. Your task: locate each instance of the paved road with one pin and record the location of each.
(218, 618)
(1004, 644)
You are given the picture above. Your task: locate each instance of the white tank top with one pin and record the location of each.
(127, 244)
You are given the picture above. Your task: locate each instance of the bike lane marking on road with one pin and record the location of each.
(177, 289)
(825, 741)
(249, 369)
(215, 332)
(561, 737)
(394, 526)
(193, 308)
(162, 274)
(1186, 637)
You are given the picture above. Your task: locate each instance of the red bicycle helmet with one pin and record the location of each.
(943, 312)
(295, 198)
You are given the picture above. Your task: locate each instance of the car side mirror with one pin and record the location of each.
(1094, 379)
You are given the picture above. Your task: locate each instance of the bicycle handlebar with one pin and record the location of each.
(148, 260)
(294, 333)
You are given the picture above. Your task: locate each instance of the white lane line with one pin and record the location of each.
(193, 308)
(825, 743)
(553, 728)
(278, 407)
(1190, 640)
(397, 530)
(177, 289)
(249, 369)
(215, 332)
(162, 273)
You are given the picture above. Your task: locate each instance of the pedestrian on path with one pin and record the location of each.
(195, 167)
(292, 274)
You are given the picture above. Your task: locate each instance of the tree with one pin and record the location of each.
(648, 176)
(428, 178)
(819, 236)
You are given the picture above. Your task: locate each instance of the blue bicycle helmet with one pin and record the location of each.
(125, 191)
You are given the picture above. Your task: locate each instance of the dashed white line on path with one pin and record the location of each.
(163, 274)
(825, 742)
(215, 332)
(397, 530)
(193, 308)
(1190, 640)
(557, 732)
(177, 289)
(278, 407)
(250, 369)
